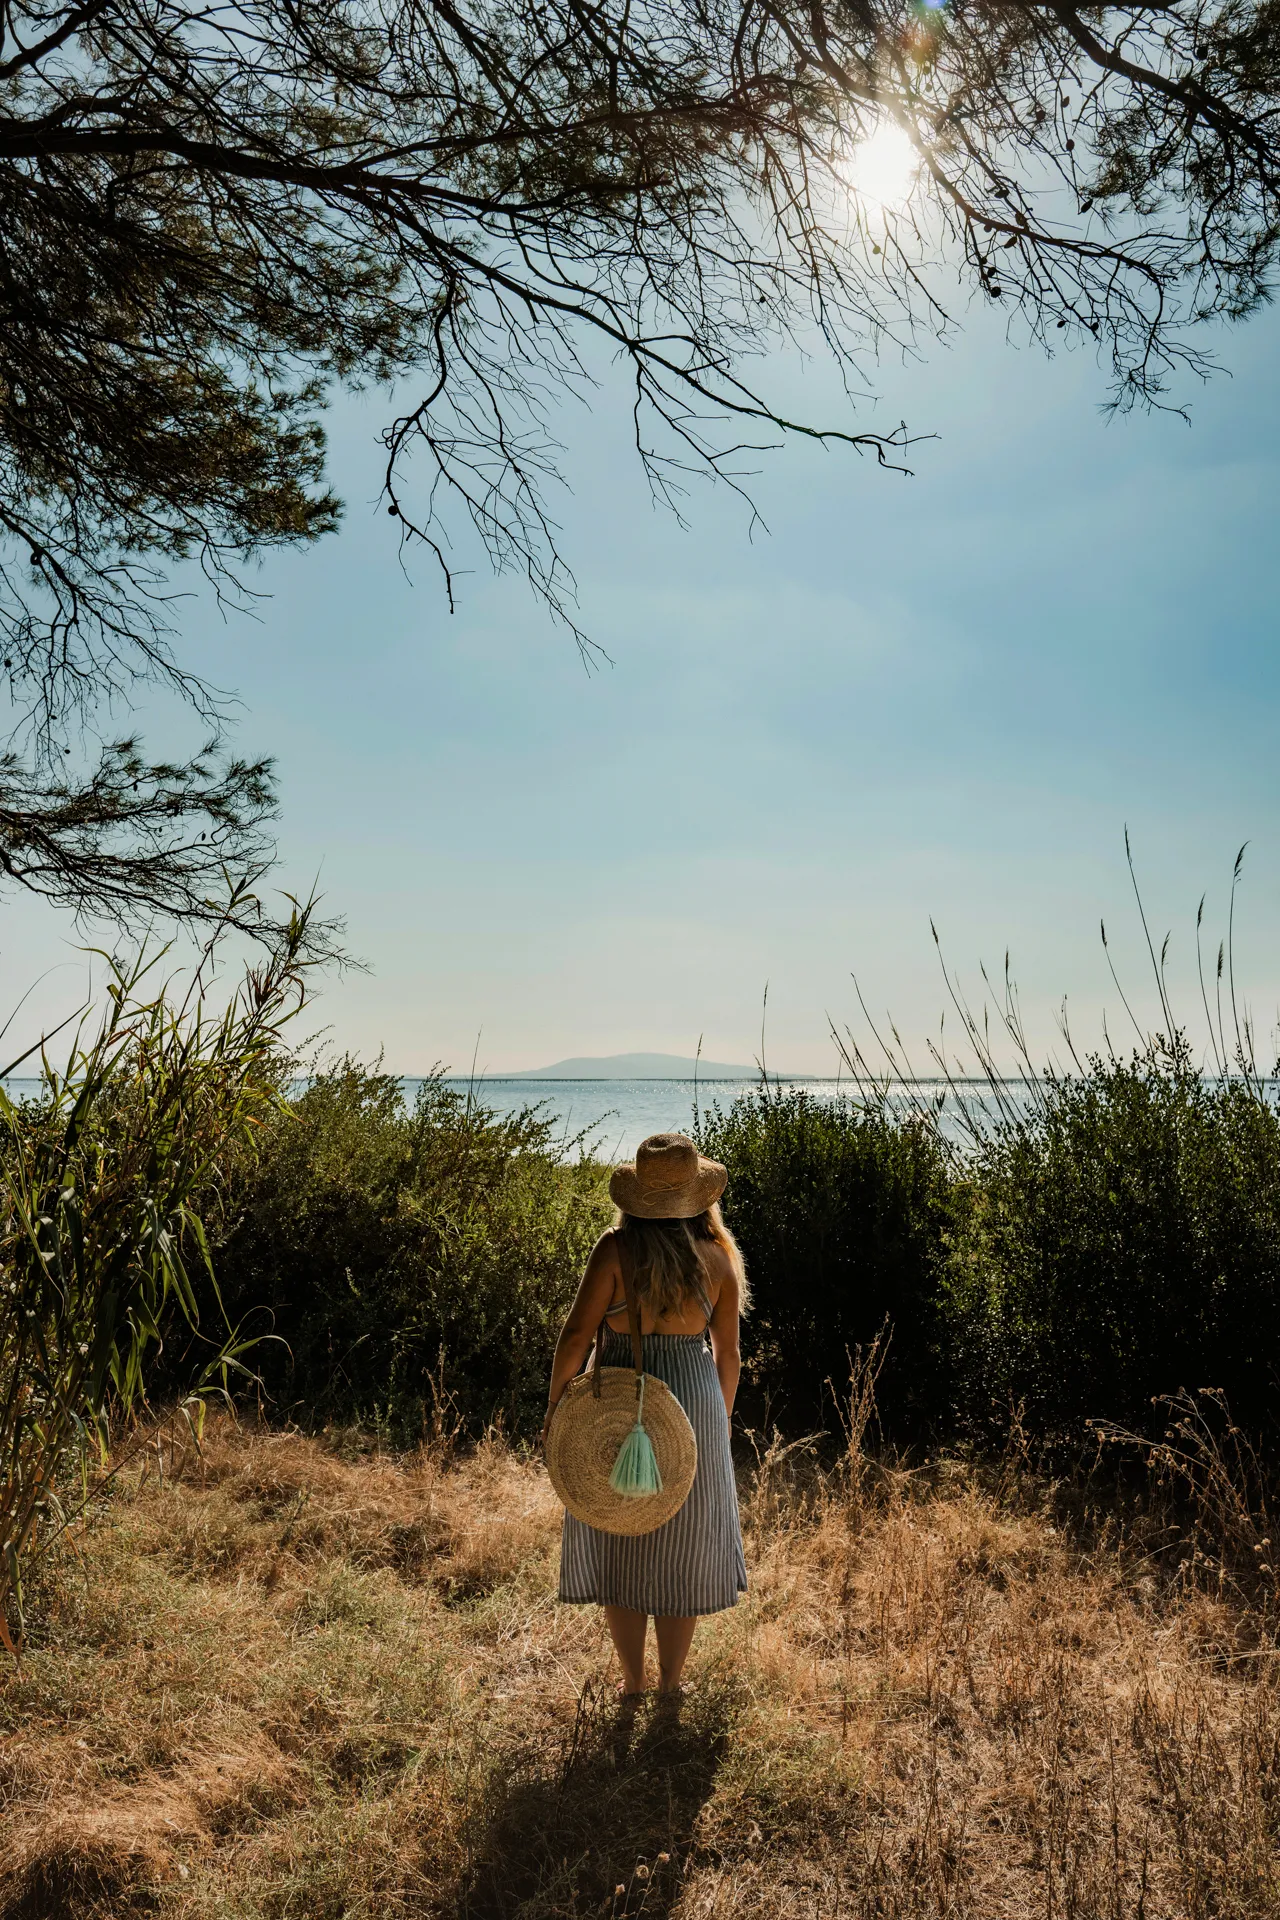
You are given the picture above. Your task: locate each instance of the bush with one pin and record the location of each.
(844, 1213)
(1116, 1239)
(1124, 1243)
(400, 1253)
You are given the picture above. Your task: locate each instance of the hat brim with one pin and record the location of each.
(644, 1201)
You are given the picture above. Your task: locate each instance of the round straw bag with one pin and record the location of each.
(593, 1421)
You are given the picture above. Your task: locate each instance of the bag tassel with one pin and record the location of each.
(635, 1471)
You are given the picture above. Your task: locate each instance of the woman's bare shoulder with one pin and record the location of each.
(718, 1264)
(604, 1257)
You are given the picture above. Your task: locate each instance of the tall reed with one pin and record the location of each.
(99, 1228)
(1118, 1232)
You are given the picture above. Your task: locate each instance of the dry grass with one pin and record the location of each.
(286, 1680)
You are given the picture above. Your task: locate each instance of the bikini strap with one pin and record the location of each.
(704, 1300)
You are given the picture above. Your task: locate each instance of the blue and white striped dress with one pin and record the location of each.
(694, 1563)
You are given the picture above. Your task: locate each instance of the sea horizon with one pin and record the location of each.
(607, 1119)
(611, 1117)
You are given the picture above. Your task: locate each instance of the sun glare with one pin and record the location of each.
(881, 169)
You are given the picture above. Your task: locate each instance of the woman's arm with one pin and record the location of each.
(594, 1295)
(724, 1337)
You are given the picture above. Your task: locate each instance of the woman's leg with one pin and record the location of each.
(627, 1630)
(674, 1632)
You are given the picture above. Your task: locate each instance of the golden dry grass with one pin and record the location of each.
(283, 1679)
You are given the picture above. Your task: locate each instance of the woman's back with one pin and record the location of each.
(691, 1313)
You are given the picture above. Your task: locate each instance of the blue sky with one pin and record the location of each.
(939, 697)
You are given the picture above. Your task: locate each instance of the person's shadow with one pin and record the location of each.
(602, 1826)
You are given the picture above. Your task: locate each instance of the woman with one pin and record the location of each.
(690, 1284)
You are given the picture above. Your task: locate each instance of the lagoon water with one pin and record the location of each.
(611, 1117)
(616, 1115)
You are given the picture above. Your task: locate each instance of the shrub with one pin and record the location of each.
(844, 1213)
(1124, 1243)
(1113, 1237)
(404, 1254)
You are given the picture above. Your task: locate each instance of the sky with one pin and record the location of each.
(939, 698)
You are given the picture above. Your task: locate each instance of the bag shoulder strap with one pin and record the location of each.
(633, 1303)
(633, 1319)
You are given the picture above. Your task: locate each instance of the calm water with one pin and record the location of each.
(617, 1114)
(614, 1114)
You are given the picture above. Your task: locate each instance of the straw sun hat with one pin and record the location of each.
(668, 1180)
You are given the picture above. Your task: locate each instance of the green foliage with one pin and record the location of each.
(413, 1264)
(844, 1214)
(1102, 1240)
(1124, 1243)
(101, 1235)
(132, 842)
(1111, 1237)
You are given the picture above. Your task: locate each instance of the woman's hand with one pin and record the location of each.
(546, 1426)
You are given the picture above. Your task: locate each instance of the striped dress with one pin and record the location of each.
(694, 1563)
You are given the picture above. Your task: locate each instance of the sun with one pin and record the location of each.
(882, 168)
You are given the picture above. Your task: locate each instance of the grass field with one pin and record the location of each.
(288, 1678)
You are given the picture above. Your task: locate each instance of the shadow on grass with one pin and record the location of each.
(585, 1830)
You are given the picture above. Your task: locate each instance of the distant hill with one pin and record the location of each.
(634, 1066)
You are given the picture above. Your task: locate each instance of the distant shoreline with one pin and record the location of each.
(711, 1080)
(753, 1080)
(622, 1079)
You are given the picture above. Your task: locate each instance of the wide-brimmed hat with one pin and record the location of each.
(668, 1180)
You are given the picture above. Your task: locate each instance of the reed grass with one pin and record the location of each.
(1053, 1242)
(103, 1181)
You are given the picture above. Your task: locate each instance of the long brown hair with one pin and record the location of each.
(669, 1257)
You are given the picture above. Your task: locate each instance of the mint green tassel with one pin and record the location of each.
(635, 1471)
